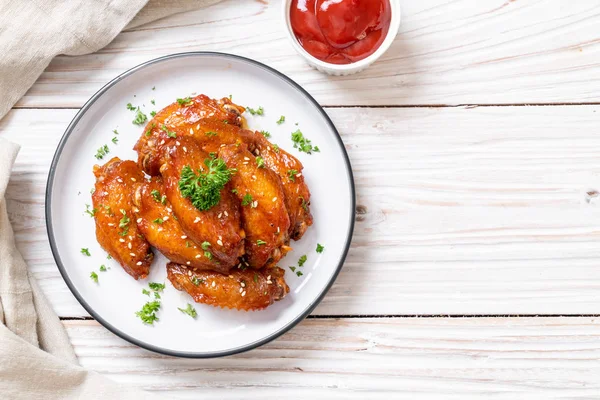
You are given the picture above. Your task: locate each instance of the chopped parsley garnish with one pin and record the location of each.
(140, 117)
(158, 221)
(260, 242)
(212, 154)
(208, 255)
(103, 268)
(299, 273)
(152, 102)
(255, 277)
(90, 212)
(170, 134)
(115, 140)
(265, 134)
(320, 248)
(146, 292)
(302, 260)
(303, 144)
(234, 191)
(276, 148)
(260, 162)
(94, 276)
(152, 114)
(153, 87)
(247, 199)
(304, 204)
(130, 107)
(204, 189)
(115, 132)
(85, 252)
(281, 120)
(187, 244)
(189, 310)
(158, 198)
(148, 312)
(149, 131)
(108, 257)
(292, 268)
(157, 287)
(102, 151)
(124, 223)
(258, 111)
(210, 133)
(156, 295)
(292, 174)
(186, 101)
(205, 245)
(197, 281)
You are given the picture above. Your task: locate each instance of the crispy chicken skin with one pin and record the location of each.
(264, 218)
(247, 290)
(297, 195)
(116, 229)
(220, 225)
(181, 117)
(156, 221)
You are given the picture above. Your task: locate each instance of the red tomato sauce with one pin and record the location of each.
(340, 31)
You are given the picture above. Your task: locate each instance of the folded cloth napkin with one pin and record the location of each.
(36, 357)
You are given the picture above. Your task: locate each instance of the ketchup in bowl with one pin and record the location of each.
(340, 31)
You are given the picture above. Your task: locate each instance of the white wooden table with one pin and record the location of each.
(475, 265)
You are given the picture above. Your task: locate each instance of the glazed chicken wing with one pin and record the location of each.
(243, 290)
(218, 229)
(182, 116)
(158, 224)
(116, 229)
(264, 216)
(289, 170)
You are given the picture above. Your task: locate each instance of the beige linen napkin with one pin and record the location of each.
(36, 357)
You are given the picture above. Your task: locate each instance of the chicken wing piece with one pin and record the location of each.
(289, 170)
(182, 116)
(116, 229)
(156, 221)
(247, 290)
(217, 229)
(264, 216)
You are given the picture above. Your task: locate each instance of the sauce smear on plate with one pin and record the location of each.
(340, 31)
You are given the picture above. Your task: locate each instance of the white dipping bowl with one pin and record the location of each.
(343, 69)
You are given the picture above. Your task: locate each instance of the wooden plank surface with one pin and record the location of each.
(462, 210)
(383, 358)
(448, 52)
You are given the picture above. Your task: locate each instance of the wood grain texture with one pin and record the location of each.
(399, 358)
(447, 52)
(488, 210)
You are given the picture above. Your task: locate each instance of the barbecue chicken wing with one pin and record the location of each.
(264, 216)
(116, 229)
(158, 224)
(243, 290)
(181, 117)
(218, 229)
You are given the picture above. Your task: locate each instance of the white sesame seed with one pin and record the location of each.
(197, 220)
(191, 131)
(274, 199)
(111, 224)
(214, 284)
(129, 245)
(254, 177)
(119, 180)
(185, 149)
(135, 209)
(231, 276)
(132, 254)
(160, 229)
(243, 293)
(220, 237)
(240, 265)
(188, 263)
(133, 179)
(139, 263)
(198, 256)
(130, 237)
(246, 158)
(269, 277)
(183, 236)
(247, 265)
(256, 151)
(298, 175)
(277, 229)
(177, 143)
(243, 284)
(220, 242)
(226, 213)
(245, 162)
(162, 142)
(189, 272)
(106, 193)
(241, 289)
(169, 209)
(138, 220)
(211, 114)
(255, 204)
(165, 218)
(219, 216)
(122, 240)
(223, 145)
(197, 126)
(269, 282)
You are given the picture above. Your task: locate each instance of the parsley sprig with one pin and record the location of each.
(303, 144)
(189, 310)
(258, 111)
(204, 189)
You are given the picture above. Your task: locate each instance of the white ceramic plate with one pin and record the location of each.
(116, 297)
